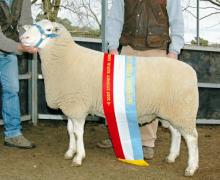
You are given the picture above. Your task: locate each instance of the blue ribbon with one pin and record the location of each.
(131, 110)
(43, 35)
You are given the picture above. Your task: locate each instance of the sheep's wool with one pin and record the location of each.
(166, 89)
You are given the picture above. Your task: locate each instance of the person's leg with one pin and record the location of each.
(149, 131)
(11, 104)
(10, 99)
(149, 134)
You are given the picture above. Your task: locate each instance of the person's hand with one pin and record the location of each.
(28, 49)
(172, 55)
(114, 51)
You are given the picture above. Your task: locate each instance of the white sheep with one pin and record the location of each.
(166, 89)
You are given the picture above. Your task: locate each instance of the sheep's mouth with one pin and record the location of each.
(25, 43)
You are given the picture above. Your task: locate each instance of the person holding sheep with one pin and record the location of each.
(13, 15)
(142, 29)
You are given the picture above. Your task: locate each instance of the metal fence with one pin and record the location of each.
(28, 87)
(206, 61)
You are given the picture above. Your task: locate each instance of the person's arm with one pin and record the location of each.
(11, 46)
(176, 24)
(115, 22)
(26, 16)
(25, 19)
(6, 44)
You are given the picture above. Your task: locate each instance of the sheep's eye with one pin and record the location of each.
(56, 29)
(48, 29)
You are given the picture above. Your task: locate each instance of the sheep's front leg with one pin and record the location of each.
(193, 153)
(72, 141)
(80, 150)
(175, 145)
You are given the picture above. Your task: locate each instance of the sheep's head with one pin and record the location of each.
(41, 33)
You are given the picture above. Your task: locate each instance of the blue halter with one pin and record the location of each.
(43, 35)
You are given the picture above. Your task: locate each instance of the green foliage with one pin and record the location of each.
(202, 42)
(215, 45)
(82, 32)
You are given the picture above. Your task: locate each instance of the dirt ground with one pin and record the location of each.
(46, 161)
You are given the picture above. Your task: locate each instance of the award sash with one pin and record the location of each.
(119, 103)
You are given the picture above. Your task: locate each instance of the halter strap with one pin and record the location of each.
(43, 35)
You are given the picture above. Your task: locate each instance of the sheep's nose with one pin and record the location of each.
(24, 38)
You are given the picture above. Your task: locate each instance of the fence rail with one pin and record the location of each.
(33, 77)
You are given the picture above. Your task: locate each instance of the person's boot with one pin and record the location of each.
(19, 142)
(148, 152)
(104, 144)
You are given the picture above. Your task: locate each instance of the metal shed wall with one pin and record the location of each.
(206, 62)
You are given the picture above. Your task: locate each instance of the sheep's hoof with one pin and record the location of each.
(169, 159)
(190, 171)
(68, 155)
(77, 160)
(75, 164)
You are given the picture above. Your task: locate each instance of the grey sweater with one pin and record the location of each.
(9, 45)
(115, 23)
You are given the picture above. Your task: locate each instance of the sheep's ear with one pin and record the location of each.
(26, 27)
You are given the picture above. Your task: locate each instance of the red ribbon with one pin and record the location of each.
(108, 103)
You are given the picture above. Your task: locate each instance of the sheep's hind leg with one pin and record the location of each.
(80, 150)
(72, 141)
(193, 153)
(175, 145)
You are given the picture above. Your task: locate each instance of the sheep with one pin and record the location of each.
(166, 89)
